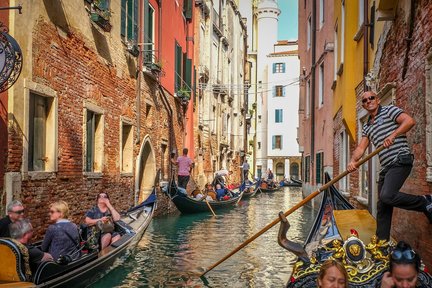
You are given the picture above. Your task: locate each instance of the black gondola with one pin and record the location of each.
(332, 237)
(249, 190)
(89, 267)
(189, 205)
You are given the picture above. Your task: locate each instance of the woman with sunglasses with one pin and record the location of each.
(62, 237)
(101, 213)
(332, 275)
(404, 268)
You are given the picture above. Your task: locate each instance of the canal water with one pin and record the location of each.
(176, 248)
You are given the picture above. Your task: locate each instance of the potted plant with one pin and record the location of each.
(100, 14)
(156, 66)
(184, 94)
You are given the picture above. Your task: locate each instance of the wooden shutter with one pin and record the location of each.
(274, 68)
(37, 137)
(129, 19)
(135, 20)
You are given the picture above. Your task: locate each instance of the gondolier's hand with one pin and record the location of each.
(387, 281)
(352, 166)
(389, 141)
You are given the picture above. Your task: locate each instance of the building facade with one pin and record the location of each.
(282, 148)
(220, 107)
(316, 52)
(97, 107)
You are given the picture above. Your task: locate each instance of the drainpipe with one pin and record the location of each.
(313, 44)
(139, 76)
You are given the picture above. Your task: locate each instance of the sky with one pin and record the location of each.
(288, 20)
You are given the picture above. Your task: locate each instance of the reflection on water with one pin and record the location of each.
(175, 249)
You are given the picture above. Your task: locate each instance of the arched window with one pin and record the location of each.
(280, 170)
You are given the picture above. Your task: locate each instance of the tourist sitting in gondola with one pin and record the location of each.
(62, 237)
(101, 214)
(22, 231)
(221, 193)
(332, 274)
(404, 268)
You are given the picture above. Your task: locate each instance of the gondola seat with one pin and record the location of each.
(14, 264)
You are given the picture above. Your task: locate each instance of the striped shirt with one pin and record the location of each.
(383, 125)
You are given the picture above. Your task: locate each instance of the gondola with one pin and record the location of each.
(85, 270)
(292, 183)
(265, 188)
(188, 205)
(339, 232)
(248, 191)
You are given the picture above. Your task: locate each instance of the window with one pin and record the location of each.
(129, 20)
(277, 142)
(42, 138)
(307, 169)
(259, 171)
(279, 91)
(259, 145)
(126, 147)
(321, 12)
(319, 167)
(335, 58)
(308, 99)
(178, 66)
(278, 67)
(321, 85)
(149, 36)
(279, 115)
(342, 32)
(361, 13)
(309, 34)
(94, 142)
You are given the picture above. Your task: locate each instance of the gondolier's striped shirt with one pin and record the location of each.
(382, 126)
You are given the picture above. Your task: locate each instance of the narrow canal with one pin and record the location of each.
(175, 246)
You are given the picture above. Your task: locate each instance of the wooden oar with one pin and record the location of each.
(288, 212)
(208, 204)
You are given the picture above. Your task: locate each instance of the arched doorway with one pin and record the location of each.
(280, 171)
(294, 168)
(146, 171)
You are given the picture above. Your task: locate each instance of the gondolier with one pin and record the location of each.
(185, 165)
(387, 126)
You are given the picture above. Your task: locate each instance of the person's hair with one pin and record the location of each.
(62, 207)
(98, 195)
(19, 228)
(402, 247)
(332, 263)
(185, 151)
(13, 204)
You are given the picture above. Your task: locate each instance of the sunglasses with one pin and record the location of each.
(19, 211)
(370, 98)
(403, 255)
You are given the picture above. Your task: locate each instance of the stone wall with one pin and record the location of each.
(404, 62)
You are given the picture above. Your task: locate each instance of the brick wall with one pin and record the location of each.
(79, 74)
(400, 55)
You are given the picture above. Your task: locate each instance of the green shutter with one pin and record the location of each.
(187, 9)
(178, 66)
(123, 18)
(188, 74)
(319, 166)
(129, 19)
(135, 21)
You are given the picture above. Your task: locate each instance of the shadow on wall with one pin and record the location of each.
(56, 14)
(101, 44)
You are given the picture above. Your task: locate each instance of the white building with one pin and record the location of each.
(282, 110)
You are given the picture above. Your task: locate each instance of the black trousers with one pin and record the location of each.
(183, 181)
(390, 181)
(245, 174)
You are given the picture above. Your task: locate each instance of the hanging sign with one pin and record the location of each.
(10, 61)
